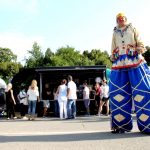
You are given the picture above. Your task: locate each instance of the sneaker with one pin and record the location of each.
(24, 118)
(8, 118)
(115, 131)
(14, 117)
(32, 119)
(44, 116)
(98, 114)
(87, 115)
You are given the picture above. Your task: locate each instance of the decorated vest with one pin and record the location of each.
(125, 43)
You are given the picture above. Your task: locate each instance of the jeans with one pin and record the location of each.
(32, 107)
(56, 106)
(63, 109)
(71, 108)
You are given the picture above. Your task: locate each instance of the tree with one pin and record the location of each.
(9, 69)
(7, 55)
(36, 57)
(98, 58)
(8, 65)
(47, 61)
(67, 56)
(147, 55)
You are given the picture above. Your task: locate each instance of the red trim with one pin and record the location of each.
(127, 66)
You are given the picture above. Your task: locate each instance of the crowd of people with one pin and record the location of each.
(64, 98)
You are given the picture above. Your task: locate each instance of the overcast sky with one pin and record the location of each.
(82, 24)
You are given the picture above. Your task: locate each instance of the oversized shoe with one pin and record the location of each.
(117, 131)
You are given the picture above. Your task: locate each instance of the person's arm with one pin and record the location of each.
(38, 98)
(38, 95)
(113, 47)
(57, 92)
(28, 93)
(12, 96)
(102, 92)
(84, 93)
(139, 43)
(68, 92)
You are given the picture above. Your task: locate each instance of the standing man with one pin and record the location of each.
(129, 79)
(72, 96)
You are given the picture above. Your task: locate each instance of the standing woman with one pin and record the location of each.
(97, 97)
(10, 102)
(129, 79)
(62, 99)
(33, 97)
(104, 97)
(86, 98)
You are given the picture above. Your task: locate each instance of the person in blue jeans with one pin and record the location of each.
(71, 108)
(33, 96)
(72, 96)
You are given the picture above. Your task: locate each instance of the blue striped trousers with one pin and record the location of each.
(128, 86)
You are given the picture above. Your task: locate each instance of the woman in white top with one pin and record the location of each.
(33, 96)
(104, 97)
(86, 98)
(62, 99)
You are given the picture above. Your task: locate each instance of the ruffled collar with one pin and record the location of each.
(122, 30)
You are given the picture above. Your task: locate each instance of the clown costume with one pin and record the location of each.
(129, 79)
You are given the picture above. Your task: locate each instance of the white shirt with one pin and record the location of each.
(33, 94)
(23, 97)
(62, 95)
(73, 89)
(55, 96)
(86, 93)
(105, 91)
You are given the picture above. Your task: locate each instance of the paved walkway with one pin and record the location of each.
(84, 133)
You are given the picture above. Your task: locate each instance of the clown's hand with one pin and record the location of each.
(141, 50)
(112, 58)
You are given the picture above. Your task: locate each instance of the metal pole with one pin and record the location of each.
(41, 79)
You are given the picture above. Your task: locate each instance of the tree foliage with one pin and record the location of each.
(47, 61)
(97, 57)
(8, 65)
(147, 55)
(7, 55)
(36, 57)
(66, 56)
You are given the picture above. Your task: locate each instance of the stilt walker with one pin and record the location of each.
(129, 79)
